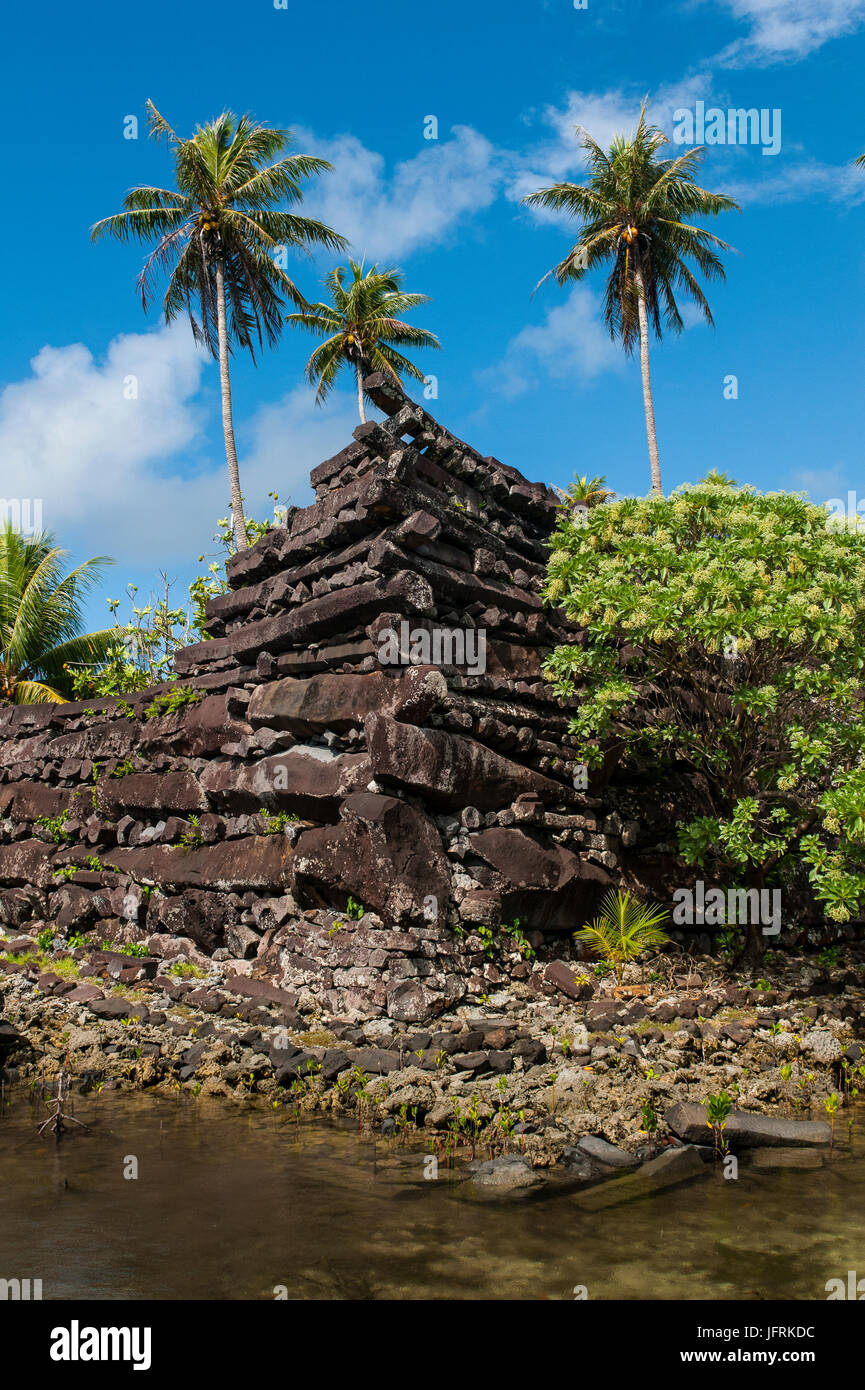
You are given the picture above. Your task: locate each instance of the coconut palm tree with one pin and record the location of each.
(361, 329)
(41, 618)
(623, 930)
(221, 234)
(589, 492)
(635, 216)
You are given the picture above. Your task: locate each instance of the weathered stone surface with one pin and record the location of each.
(377, 1061)
(27, 862)
(196, 731)
(608, 1154)
(260, 989)
(548, 884)
(449, 770)
(27, 801)
(299, 710)
(20, 905)
(116, 739)
(318, 617)
(510, 1173)
(560, 974)
(744, 1130)
(309, 780)
(202, 917)
(384, 853)
(822, 1045)
(84, 994)
(117, 1007)
(150, 792)
(342, 702)
(259, 861)
(10, 1038)
(73, 908)
(411, 1002)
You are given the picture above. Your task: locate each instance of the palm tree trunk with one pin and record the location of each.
(359, 369)
(237, 517)
(648, 404)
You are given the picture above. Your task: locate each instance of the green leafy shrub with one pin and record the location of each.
(743, 615)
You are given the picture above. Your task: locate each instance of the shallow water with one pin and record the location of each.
(230, 1204)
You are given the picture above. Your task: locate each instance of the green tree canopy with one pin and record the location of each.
(41, 618)
(725, 635)
(362, 329)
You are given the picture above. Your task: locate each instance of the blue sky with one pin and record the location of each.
(533, 380)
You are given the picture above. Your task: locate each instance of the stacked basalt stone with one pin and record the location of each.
(375, 671)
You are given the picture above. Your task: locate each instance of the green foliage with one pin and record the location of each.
(275, 824)
(744, 617)
(718, 1108)
(354, 909)
(518, 937)
(636, 213)
(488, 940)
(226, 208)
(55, 825)
(636, 216)
(141, 650)
(45, 938)
(185, 969)
(361, 328)
(41, 617)
(829, 957)
(124, 768)
(67, 872)
(214, 582)
(192, 838)
(586, 492)
(96, 866)
(623, 930)
(179, 697)
(648, 1116)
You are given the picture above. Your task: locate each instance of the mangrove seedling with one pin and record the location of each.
(830, 1105)
(717, 1111)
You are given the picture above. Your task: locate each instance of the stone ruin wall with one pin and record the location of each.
(441, 800)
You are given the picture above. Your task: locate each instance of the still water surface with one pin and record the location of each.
(230, 1204)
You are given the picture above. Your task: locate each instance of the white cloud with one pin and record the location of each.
(571, 343)
(108, 469)
(284, 441)
(798, 181)
(388, 215)
(604, 115)
(558, 156)
(822, 484)
(787, 30)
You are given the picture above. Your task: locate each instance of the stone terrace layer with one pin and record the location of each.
(328, 743)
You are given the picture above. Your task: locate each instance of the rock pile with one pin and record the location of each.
(367, 728)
